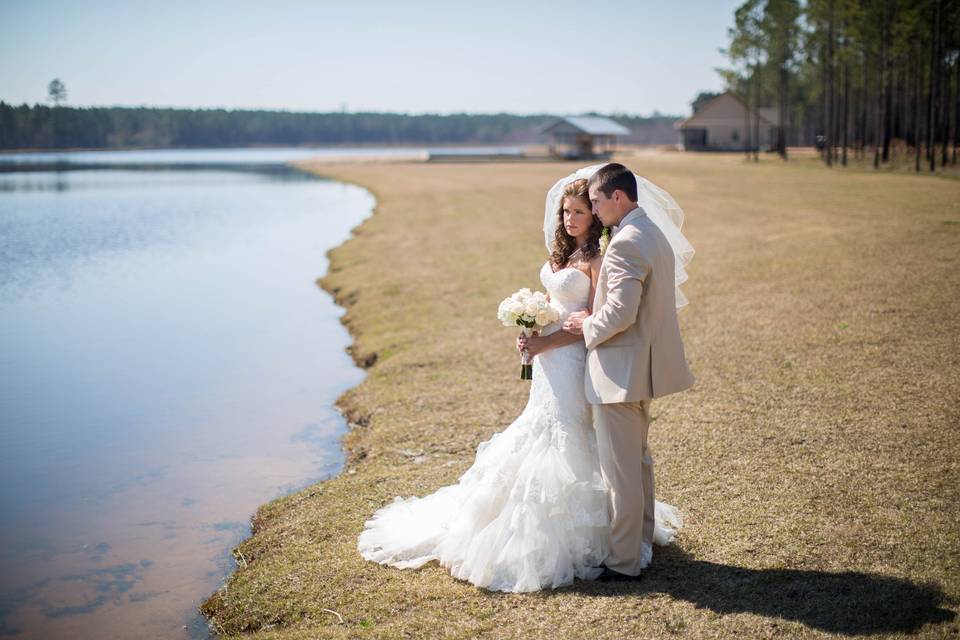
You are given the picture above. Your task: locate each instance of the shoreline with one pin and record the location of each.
(352, 415)
(423, 407)
(364, 361)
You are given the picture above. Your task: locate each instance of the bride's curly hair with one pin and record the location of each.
(564, 244)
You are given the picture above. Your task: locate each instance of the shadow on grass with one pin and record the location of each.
(850, 603)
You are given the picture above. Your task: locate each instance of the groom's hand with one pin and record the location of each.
(574, 322)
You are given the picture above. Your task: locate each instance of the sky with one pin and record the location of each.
(608, 56)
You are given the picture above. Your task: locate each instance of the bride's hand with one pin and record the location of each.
(522, 341)
(536, 344)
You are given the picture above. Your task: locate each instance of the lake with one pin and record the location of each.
(168, 364)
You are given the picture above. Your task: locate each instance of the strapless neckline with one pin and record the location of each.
(552, 272)
(567, 292)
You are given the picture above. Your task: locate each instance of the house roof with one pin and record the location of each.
(770, 115)
(593, 125)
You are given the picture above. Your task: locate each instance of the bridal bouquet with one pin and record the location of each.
(531, 311)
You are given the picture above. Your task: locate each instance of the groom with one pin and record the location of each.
(634, 354)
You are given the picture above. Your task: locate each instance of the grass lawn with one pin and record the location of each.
(816, 461)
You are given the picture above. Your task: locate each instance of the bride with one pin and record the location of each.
(532, 511)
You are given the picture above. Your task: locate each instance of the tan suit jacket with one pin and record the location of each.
(634, 348)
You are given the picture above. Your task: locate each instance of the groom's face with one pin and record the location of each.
(603, 207)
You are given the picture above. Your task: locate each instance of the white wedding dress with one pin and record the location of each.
(531, 512)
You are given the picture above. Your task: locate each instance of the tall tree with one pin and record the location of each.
(879, 135)
(917, 88)
(956, 104)
(747, 52)
(932, 96)
(845, 117)
(56, 91)
(780, 30)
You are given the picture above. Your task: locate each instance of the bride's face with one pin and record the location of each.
(577, 217)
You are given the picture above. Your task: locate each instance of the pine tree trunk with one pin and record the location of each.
(783, 128)
(945, 113)
(932, 99)
(756, 119)
(846, 109)
(864, 100)
(901, 128)
(888, 91)
(746, 118)
(829, 130)
(881, 92)
(824, 129)
(917, 83)
(878, 116)
(956, 110)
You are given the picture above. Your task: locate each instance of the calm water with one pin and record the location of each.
(167, 364)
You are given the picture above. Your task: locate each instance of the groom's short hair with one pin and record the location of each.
(613, 176)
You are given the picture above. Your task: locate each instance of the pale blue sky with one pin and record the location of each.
(413, 57)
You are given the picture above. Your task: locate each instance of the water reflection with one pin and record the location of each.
(168, 365)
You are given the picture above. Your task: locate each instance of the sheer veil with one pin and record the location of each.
(659, 206)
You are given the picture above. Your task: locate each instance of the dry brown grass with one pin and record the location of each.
(815, 461)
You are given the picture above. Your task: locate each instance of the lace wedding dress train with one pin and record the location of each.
(531, 512)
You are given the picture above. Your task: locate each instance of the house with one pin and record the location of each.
(579, 137)
(720, 124)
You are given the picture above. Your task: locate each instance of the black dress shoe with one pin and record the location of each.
(612, 575)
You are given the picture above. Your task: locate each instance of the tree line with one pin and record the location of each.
(59, 127)
(876, 80)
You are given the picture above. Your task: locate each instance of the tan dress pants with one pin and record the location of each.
(627, 468)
